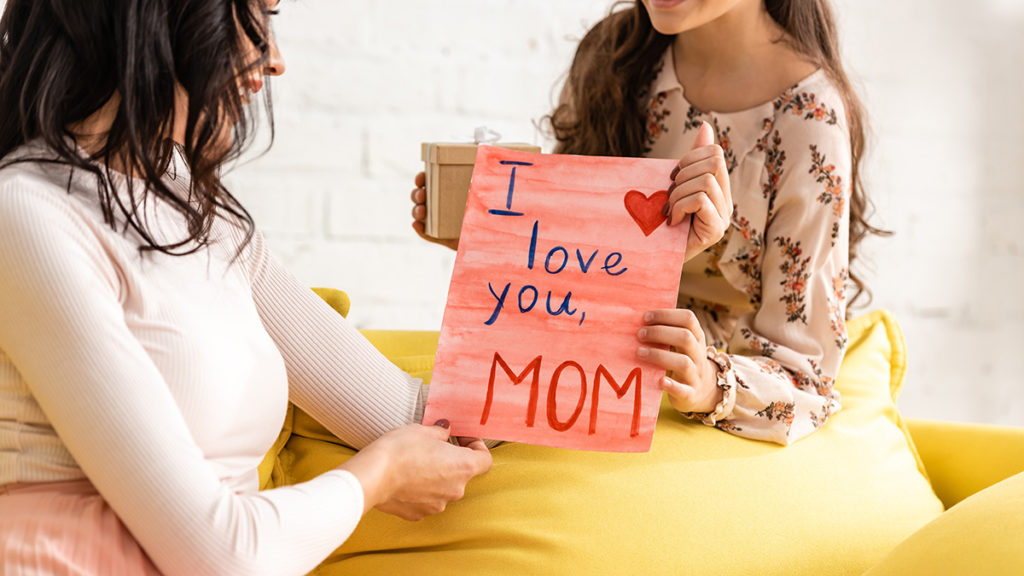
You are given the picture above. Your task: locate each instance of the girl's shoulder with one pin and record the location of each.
(814, 102)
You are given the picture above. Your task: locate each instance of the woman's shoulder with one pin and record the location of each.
(28, 167)
(25, 182)
(35, 184)
(36, 169)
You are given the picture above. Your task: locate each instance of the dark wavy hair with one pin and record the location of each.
(603, 111)
(62, 60)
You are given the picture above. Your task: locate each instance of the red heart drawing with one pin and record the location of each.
(646, 210)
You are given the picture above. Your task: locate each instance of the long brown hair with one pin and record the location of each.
(603, 110)
(62, 60)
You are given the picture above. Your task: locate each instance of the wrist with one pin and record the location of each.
(715, 396)
(370, 466)
(724, 389)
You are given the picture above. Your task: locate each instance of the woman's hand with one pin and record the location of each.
(419, 213)
(414, 472)
(700, 186)
(692, 379)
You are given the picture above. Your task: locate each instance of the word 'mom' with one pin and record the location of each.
(533, 368)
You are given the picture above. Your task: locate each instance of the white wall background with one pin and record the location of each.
(945, 86)
(368, 81)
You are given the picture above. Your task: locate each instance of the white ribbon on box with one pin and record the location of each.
(481, 135)
(484, 135)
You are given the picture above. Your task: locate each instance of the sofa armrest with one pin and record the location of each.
(962, 459)
(397, 344)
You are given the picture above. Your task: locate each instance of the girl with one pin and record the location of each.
(777, 204)
(149, 343)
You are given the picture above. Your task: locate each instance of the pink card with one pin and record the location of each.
(559, 258)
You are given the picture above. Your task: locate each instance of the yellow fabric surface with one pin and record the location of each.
(270, 469)
(701, 501)
(962, 459)
(983, 534)
(338, 299)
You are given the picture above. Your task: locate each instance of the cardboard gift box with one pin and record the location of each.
(449, 167)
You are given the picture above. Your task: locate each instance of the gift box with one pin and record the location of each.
(449, 168)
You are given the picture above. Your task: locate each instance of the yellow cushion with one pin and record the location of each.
(980, 535)
(963, 458)
(338, 299)
(700, 501)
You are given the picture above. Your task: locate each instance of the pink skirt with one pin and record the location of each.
(63, 528)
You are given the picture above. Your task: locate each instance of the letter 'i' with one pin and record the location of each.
(511, 189)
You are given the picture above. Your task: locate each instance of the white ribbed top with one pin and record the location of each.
(164, 379)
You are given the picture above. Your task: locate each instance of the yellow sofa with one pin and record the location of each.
(868, 492)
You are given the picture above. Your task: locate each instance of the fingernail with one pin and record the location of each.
(443, 424)
(648, 316)
(642, 333)
(664, 210)
(674, 172)
(643, 351)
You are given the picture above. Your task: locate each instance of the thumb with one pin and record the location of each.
(680, 395)
(705, 136)
(440, 429)
(480, 456)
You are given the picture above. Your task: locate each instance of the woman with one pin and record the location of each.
(149, 344)
(759, 332)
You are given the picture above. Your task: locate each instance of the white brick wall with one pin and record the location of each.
(368, 81)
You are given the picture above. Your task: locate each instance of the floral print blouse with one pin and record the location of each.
(772, 293)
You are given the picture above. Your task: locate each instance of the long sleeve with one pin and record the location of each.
(334, 373)
(785, 355)
(63, 326)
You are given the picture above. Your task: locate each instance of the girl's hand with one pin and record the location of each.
(414, 472)
(419, 213)
(692, 379)
(700, 186)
